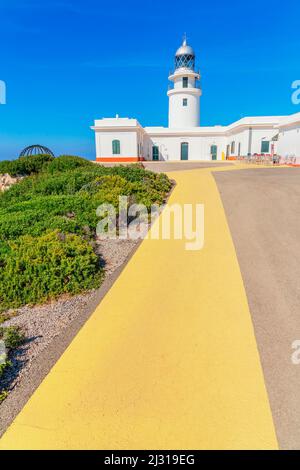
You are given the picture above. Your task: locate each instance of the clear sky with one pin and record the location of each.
(67, 62)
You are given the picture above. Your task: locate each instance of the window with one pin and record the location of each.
(232, 148)
(184, 102)
(116, 148)
(185, 82)
(265, 146)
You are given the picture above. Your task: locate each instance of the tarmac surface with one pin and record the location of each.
(164, 167)
(262, 209)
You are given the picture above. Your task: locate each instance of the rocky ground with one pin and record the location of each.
(6, 181)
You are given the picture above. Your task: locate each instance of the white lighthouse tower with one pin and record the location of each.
(184, 96)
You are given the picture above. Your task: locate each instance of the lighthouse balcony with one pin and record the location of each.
(183, 71)
(196, 85)
(185, 91)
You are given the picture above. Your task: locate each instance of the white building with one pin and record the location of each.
(125, 140)
(289, 136)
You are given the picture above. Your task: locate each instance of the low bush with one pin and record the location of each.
(68, 214)
(12, 336)
(66, 163)
(48, 222)
(34, 270)
(3, 318)
(3, 395)
(24, 166)
(7, 316)
(69, 201)
(3, 366)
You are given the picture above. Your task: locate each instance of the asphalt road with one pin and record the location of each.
(160, 167)
(262, 209)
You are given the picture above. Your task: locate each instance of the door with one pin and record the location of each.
(213, 152)
(184, 151)
(155, 153)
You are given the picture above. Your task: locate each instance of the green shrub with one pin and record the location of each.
(7, 316)
(80, 179)
(48, 220)
(25, 165)
(3, 395)
(68, 201)
(68, 214)
(34, 270)
(3, 367)
(12, 336)
(66, 163)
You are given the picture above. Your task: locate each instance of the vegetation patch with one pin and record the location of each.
(48, 223)
(11, 337)
(25, 165)
(35, 269)
(7, 316)
(3, 395)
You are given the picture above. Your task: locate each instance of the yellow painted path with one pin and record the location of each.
(167, 361)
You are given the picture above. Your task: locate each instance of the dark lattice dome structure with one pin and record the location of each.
(36, 150)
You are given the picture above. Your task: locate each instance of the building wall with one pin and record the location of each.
(136, 143)
(239, 140)
(289, 141)
(184, 117)
(128, 144)
(200, 146)
(250, 140)
(170, 147)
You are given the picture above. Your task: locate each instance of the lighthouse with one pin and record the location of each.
(184, 93)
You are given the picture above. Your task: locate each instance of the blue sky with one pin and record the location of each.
(66, 63)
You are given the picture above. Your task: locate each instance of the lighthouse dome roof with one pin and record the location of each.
(184, 49)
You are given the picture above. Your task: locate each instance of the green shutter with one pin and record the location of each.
(184, 151)
(265, 146)
(214, 152)
(155, 153)
(116, 147)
